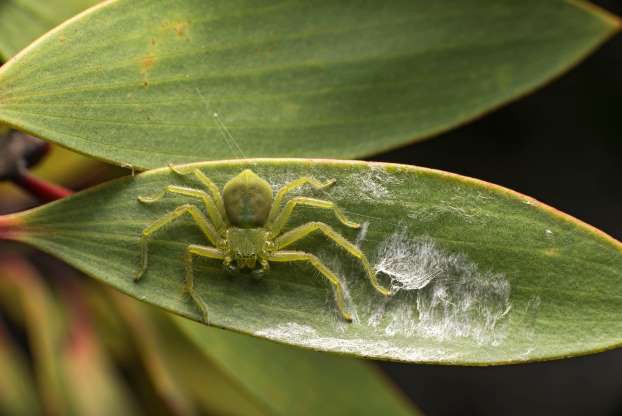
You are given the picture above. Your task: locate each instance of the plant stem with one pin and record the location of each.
(40, 188)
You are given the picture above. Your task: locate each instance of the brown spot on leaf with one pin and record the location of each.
(180, 28)
(147, 62)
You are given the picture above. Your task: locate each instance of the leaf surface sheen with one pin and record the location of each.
(481, 274)
(151, 82)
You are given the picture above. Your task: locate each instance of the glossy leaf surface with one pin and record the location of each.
(480, 274)
(151, 82)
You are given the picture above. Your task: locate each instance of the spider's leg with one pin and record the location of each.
(198, 217)
(210, 206)
(293, 185)
(207, 182)
(287, 256)
(203, 251)
(279, 222)
(304, 230)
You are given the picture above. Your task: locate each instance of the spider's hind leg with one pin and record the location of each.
(304, 230)
(287, 256)
(196, 250)
(293, 185)
(283, 216)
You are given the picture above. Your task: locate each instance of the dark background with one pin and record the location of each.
(563, 146)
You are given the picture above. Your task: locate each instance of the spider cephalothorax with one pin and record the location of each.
(244, 228)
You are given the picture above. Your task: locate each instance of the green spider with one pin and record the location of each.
(245, 225)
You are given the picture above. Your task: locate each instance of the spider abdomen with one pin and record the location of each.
(247, 199)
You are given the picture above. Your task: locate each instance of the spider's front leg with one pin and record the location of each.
(207, 182)
(286, 256)
(210, 205)
(206, 227)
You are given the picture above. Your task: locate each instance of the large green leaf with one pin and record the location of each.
(22, 21)
(195, 370)
(151, 82)
(481, 274)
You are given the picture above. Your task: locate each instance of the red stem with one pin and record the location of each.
(43, 190)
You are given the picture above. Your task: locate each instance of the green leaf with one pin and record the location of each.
(294, 381)
(22, 21)
(194, 369)
(482, 275)
(151, 82)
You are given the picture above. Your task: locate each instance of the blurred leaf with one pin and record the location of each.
(65, 349)
(202, 376)
(294, 381)
(111, 328)
(176, 368)
(22, 21)
(17, 387)
(149, 345)
(152, 82)
(481, 274)
(44, 324)
(84, 358)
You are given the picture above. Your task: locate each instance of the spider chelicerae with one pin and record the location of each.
(244, 226)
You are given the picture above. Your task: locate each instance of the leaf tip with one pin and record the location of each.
(612, 20)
